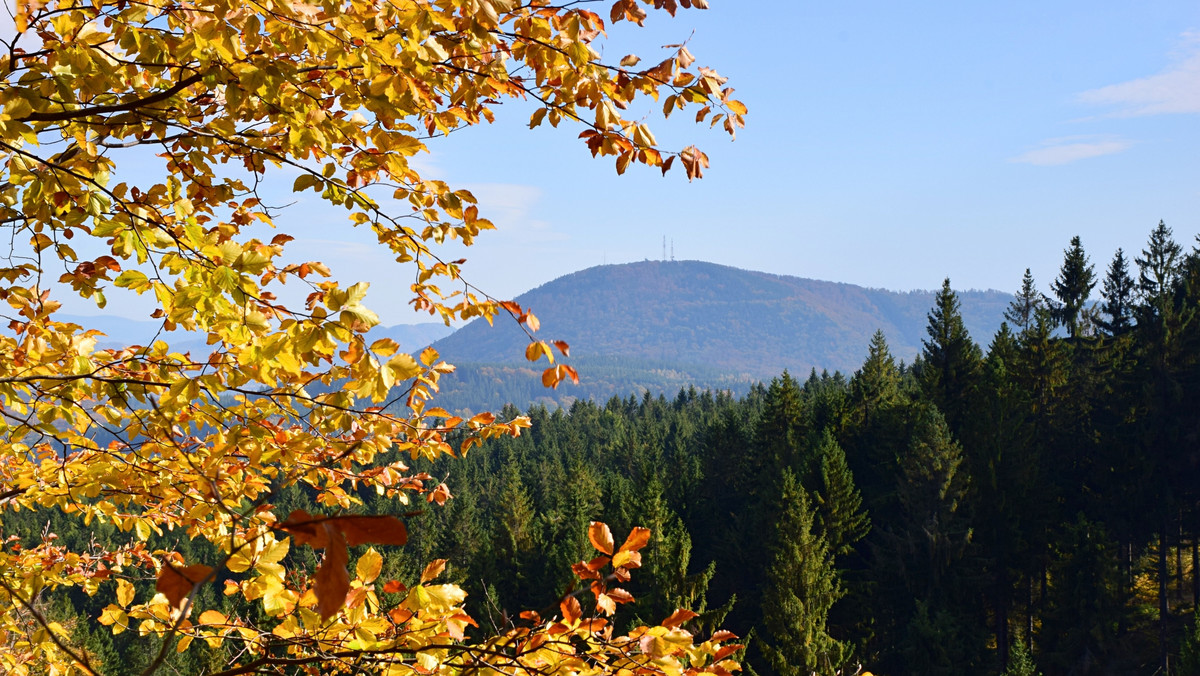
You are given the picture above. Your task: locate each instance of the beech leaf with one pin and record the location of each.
(601, 537)
(176, 582)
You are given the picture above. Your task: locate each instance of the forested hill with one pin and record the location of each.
(692, 314)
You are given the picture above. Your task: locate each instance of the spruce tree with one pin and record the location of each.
(950, 361)
(931, 488)
(1074, 285)
(877, 384)
(1020, 661)
(1022, 310)
(802, 587)
(1158, 269)
(1118, 297)
(843, 521)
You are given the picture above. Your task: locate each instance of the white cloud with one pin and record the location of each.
(1174, 90)
(510, 206)
(1071, 149)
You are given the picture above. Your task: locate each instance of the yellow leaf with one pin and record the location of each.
(403, 366)
(124, 593)
(369, 565)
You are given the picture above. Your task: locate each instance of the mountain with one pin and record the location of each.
(691, 315)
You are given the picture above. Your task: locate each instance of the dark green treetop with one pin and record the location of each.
(1074, 285)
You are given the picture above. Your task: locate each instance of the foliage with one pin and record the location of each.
(1074, 284)
(185, 455)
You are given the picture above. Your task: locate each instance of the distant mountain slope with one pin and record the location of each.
(703, 315)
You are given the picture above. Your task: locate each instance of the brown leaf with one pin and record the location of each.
(306, 529)
(563, 347)
(394, 587)
(176, 582)
(374, 530)
(333, 579)
(601, 537)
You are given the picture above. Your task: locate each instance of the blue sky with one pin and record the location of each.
(888, 145)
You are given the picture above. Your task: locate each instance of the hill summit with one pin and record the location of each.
(742, 323)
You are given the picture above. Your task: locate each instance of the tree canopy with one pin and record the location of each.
(134, 141)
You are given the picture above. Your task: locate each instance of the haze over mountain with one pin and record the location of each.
(693, 314)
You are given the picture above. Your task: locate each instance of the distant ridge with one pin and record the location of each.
(697, 315)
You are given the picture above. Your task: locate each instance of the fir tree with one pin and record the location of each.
(1074, 285)
(950, 360)
(1118, 297)
(802, 587)
(1022, 310)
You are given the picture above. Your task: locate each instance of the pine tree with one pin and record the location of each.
(950, 360)
(802, 587)
(1118, 297)
(1074, 285)
(1022, 310)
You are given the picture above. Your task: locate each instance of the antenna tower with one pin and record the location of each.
(664, 247)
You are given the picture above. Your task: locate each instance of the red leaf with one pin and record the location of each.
(394, 587)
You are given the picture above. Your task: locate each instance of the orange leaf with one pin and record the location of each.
(332, 578)
(601, 537)
(570, 609)
(394, 587)
(176, 582)
(638, 537)
(620, 595)
(606, 604)
(679, 617)
(723, 635)
(563, 347)
(627, 559)
(726, 651)
(551, 377)
(439, 495)
(432, 570)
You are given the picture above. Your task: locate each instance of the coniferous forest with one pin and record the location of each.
(1022, 503)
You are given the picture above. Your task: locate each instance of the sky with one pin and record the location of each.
(888, 145)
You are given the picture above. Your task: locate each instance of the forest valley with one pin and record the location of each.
(1029, 510)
